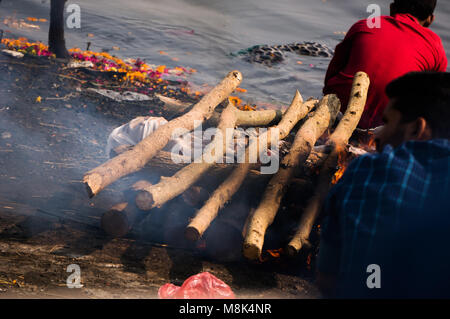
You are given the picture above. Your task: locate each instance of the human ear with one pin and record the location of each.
(419, 130)
(431, 18)
(429, 21)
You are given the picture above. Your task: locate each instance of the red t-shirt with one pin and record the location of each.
(399, 46)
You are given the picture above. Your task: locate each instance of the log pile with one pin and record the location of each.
(308, 121)
(305, 139)
(224, 193)
(337, 142)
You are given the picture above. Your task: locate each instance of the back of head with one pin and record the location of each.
(421, 9)
(424, 94)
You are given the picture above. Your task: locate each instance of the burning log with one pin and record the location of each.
(226, 190)
(305, 139)
(170, 187)
(134, 159)
(338, 142)
(118, 221)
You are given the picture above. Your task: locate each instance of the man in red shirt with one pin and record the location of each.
(401, 44)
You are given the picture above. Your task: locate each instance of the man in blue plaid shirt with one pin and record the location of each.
(387, 227)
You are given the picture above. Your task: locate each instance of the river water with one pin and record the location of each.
(201, 34)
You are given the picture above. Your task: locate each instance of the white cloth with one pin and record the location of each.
(136, 130)
(188, 144)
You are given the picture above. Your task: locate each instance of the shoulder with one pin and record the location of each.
(439, 47)
(412, 155)
(368, 161)
(436, 39)
(360, 26)
(390, 157)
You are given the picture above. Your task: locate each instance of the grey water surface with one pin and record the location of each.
(201, 34)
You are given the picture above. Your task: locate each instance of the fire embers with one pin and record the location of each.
(271, 255)
(344, 159)
(363, 142)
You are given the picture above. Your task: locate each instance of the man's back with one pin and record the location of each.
(383, 212)
(399, 46)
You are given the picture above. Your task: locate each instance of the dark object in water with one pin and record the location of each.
(273, 54)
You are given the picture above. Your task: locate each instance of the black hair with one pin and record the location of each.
(423, 94)
(421, 9)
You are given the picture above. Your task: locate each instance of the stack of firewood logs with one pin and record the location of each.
(317, 118)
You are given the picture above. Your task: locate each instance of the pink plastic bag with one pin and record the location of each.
(201, 286)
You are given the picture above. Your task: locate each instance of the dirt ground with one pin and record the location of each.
(47, 222)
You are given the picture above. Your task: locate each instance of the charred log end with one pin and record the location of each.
(144, 200)
(237, 75)
(296, 246)
(92, 183)
(292, 250)
(115, 223)
(192, 234)
(251, 251)
(89, 190)
(195, 196)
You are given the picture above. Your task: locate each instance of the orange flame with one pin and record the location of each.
(271, 254)
(276, 253)
(237, 102)
(367, 142)
(308, 262)
(342, 163)
(372, 143)
(338, 175)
